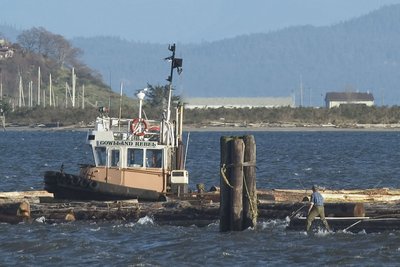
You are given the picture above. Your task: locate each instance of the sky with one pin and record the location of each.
(182, 21)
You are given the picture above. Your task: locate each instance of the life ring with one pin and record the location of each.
(154, 129)
(135, 126)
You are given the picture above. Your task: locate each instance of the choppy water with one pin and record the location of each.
(348, 159)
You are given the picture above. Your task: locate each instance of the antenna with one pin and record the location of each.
(176, 63)
(120, 105)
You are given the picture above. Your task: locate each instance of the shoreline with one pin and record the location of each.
(288, 129)
(195, 128)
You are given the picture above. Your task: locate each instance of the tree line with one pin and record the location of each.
(49, 45)
(343, 116)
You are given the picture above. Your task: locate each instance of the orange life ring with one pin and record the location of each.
(154, 129)
(135, 126)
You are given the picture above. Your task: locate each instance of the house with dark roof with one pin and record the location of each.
(5, 51)
(335, 99)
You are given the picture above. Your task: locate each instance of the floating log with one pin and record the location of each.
(334, 196)
(344, 209)
(195, 210)
(349, 224)
(30, 196)
(283, 210)
(15, 212)
(382, 209)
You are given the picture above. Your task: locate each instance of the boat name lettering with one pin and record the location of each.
(127, 143)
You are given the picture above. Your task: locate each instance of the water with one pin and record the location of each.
(339, 159)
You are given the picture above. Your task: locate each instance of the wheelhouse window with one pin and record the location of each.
(100, 156)
(135, 157)
(154, 158)
(115, 157)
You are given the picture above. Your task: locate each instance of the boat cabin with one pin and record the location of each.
(138, 161)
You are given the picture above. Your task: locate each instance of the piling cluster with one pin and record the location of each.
(238, 195)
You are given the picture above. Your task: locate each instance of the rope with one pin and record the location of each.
(242, 164)
(246, 164)
(222, 170)
(254, 212)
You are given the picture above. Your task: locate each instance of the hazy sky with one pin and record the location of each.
(165, 21)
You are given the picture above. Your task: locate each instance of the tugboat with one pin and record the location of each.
(133, 158)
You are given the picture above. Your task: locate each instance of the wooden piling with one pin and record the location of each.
(237, 157)
(225, 187)
(238, 195)
(3, 120)
(250, 190)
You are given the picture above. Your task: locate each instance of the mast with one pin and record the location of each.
(120, 106)
(301, 91)
(20, 91)
(83, 96)
(50, 88)
(73, 87)
(30, 94)
(176, 63)
(38, 85)
(66, 94)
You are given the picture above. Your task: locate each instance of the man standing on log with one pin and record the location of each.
(316, 208)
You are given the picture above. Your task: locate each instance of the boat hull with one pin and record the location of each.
(74, 187)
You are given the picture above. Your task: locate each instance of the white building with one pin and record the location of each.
(238, 102)
(335, 99)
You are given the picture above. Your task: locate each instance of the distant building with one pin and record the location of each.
(335, 99)
(238, 102)
(5, 51)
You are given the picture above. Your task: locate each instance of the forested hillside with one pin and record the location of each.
(37, 70)
(357, 55)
